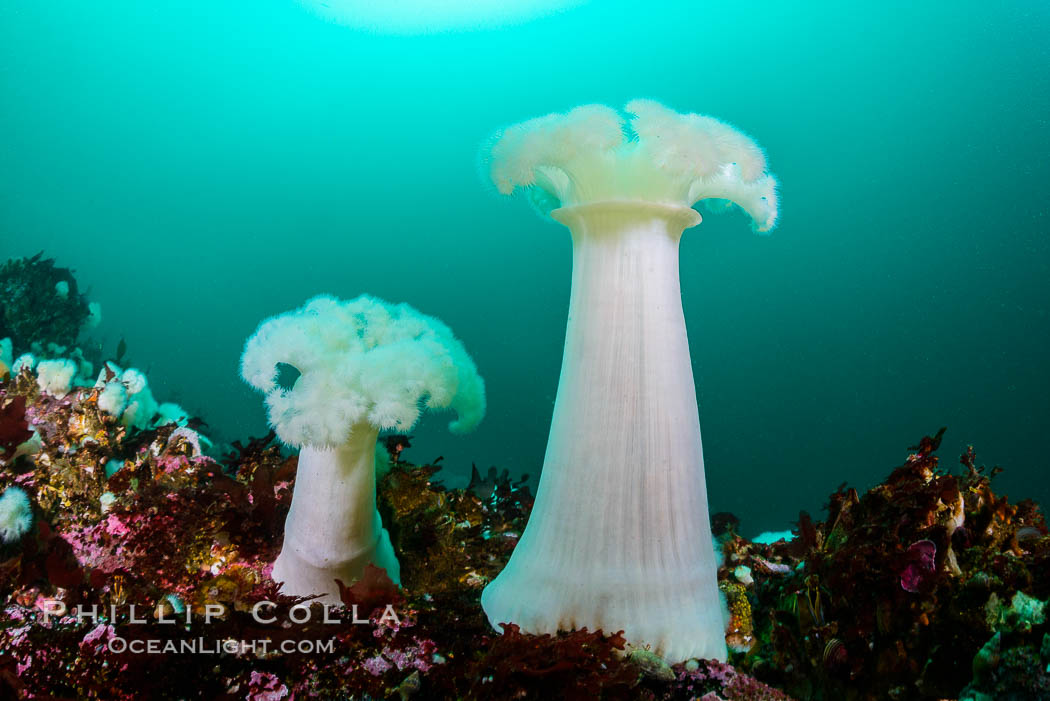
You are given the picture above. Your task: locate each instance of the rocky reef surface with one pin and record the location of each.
(928, 586)
(135, 564)
(125, 517)
(41, 303)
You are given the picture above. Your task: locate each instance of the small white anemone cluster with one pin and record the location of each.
(57, 375)
(125, 394)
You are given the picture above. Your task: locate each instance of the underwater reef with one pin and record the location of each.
(926, 584)
(135, 563)
(117, 516)
(42, 304)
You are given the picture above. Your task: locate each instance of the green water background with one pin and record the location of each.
(205, 164)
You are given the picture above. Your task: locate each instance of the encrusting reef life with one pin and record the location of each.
(903, 591)
(364, 366)
(126, 516)
(44, 315)
(619, 538)
(174, 532)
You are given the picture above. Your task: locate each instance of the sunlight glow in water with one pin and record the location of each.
(431, 16)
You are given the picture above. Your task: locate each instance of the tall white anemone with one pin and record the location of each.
(364, 366)
(619, 537)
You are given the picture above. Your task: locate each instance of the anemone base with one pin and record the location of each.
(302, 575)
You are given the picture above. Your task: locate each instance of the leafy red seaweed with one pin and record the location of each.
(14, 429)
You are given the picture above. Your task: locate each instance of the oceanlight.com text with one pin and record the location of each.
(202, 646)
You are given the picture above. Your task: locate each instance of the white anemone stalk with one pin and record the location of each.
(619, 537)
(364, 366)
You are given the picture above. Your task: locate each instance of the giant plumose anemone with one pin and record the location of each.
(619, 538)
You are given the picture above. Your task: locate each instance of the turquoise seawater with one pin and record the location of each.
(205, 164)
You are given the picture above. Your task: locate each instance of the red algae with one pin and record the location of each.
(897, 590)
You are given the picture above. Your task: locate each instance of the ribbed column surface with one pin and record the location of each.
(619, 537)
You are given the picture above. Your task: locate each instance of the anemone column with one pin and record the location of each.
(619, 537)
(323, 539)
(621, 518)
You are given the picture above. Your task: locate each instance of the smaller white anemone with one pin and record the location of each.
(362, 366)
(94, 315)
(126, 394)
(26, 360)
(55, 377)
(113, 398)
(16, 514)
